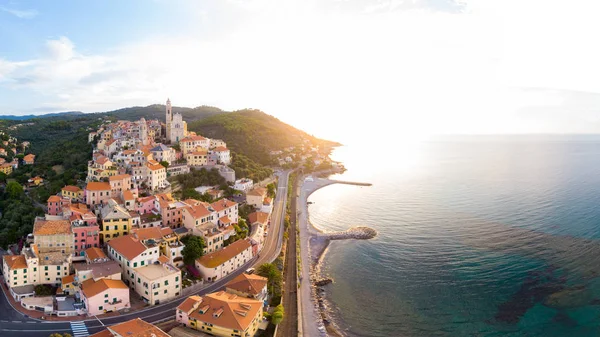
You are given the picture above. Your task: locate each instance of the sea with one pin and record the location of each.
(477, 236)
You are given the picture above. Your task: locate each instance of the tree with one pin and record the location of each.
(56, 334)
(14, 190)
(271, 190)
(164, 163)
(194, 249)
(273, 274)
(42, 290)
(277, 315)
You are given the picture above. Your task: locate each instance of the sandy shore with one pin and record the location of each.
(314, 244)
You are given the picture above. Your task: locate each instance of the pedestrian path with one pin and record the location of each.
(79, 329)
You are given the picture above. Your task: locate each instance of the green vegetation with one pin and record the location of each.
(164, 163)
(277, 315)
(275, 280)
(201, 177)
(244, 210)
(194, 248)
(251, 135)
(241, 232)
(56, 334)
(18, 214)
(271, 190)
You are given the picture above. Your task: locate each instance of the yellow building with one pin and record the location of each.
(197, 158)
(72, 192)
(53, 235)
(221, 314)
(116, 221)
(6, 168)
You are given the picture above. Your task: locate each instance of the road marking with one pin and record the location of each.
(79, 329)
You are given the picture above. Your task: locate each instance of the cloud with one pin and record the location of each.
(426, 69)
(22, 14)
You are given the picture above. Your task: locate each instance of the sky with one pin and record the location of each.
(401, 69)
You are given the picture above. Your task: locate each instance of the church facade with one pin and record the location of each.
(176, 128)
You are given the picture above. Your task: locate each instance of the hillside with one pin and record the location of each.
(157, 111)
(254, 134)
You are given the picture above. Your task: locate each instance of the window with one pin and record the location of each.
(165, 291)
(57, 267)
(100, 308)
(46, 268)
(143, 263)
(15, 272)
(34, 268)
(166, 282)
(135, 264)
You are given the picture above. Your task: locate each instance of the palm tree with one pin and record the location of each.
(270, 271)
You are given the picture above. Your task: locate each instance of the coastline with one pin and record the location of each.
(313, 249)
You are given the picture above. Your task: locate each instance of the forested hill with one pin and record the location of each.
(157, 111)
(254, 134)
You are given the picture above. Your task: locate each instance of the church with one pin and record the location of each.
(176, 128)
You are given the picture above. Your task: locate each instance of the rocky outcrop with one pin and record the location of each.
(359, 233)
(323, 282)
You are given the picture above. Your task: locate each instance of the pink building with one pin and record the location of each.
(97, 193)
(104, 295)
(119, 184)
(144, 205)
(56, 204)
(54, 207)
(170, 209)
(85, 236)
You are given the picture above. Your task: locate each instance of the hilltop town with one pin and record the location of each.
(128, 237)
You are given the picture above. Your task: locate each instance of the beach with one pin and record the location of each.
(315, 316)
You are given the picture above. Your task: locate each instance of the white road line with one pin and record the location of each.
(79, 329)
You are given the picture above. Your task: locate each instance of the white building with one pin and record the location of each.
(243, 185)
(221, 263)
(132, 253)
(175, 126)
(158, 283)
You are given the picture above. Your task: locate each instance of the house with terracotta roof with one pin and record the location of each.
(101, 167)
(197, 158)
(119, 184)
(193, 143)
(170, 209)
(97, 193)
(6, 168)
(249, 286)
(256, 197)
(95, 255)
(221, 314)
(225, 208)
(215, 266)
(35, 181)
(168, 241)
(96, 271)
(104, 296)
(134, 328)
(223, 155)
(162, 152)
(29, 159)
(72, 192)
(53, 235)
(155, 175)
(55, 204)
(132, 253)
(214, 143)
(69, 286)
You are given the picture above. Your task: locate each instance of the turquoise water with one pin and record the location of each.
(483, 236)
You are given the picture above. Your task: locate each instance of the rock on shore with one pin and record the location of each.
(359, 233)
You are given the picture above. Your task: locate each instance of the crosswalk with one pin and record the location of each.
(79, 329)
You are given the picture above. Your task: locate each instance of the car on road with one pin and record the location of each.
(250, 271)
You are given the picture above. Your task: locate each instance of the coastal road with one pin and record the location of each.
(15, 324)
(274, 240)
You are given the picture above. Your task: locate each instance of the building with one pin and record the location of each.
(29, 159)
(168, 241)
(72, 192)
(85, 236)
(176, 128)
(194, 143)
(95, 255)
(53, 236)
(223, 155)
(54, 205)
(6, 169)
(119, 184)
(219, 264)
(159, 282)
(221, 314)
(171, 210)
(243, 185)
(214, 143)
(197, 158)
(134, 328)
(162, 152)
(249, 286)
(177, 169)
(225, 208)
(156, 175)
(116, 221)
(96, 271)
(104, 295)
(97, 193)
(132, 253)
(256, 197)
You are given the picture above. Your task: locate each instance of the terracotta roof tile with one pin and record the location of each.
(134, 328)
(95, 253)
(248, 283)
(219, 257)
(128, 246)
(97, 186)
(15, 261)
(71, 188)
(235, 312)
(260, 217)
(51, 227)
(92, 288)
